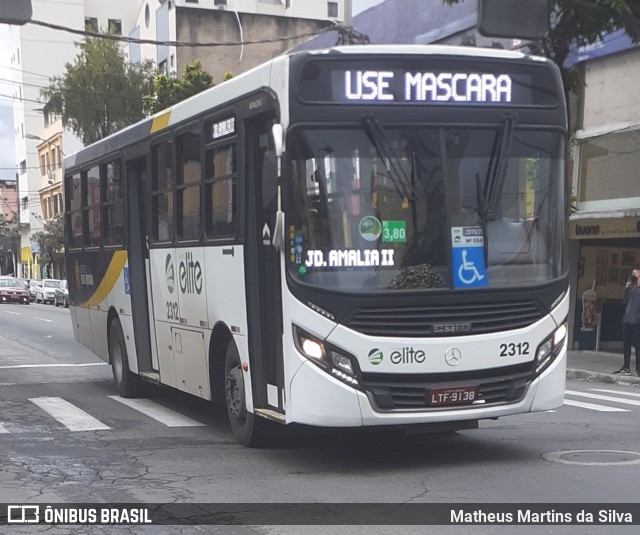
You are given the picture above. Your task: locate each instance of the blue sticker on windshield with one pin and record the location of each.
(467, 251)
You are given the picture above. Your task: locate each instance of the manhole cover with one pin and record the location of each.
(593, 457)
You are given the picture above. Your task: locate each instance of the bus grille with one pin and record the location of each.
(444, 320)
(391, 392)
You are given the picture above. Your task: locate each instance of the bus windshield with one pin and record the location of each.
(386, 208)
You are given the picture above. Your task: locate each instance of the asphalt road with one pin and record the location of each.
(65, 436)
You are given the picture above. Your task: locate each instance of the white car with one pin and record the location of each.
(46, 292)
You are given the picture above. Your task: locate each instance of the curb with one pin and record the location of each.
(603, 377)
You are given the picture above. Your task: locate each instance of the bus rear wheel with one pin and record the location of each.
(248, 430)
(128, 384)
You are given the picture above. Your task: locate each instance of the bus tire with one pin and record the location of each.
(248, 430)
(128, 384)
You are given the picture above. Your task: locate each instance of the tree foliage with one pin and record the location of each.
(50, 239)
(582, 22)
(8, 227)
(169, 89)
(101, 92)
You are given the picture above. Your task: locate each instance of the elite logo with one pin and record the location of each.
(406, 355)
(169, 273)
(376, 357)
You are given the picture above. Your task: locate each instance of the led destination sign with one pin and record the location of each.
(452, 81)
(428, 86)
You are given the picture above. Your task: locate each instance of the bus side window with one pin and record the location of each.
(221, 186)
(73, 208)
(162, 191)
(113, 205)
(188, 185)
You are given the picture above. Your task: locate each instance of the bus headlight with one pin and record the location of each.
(330, 359)
(549, 349)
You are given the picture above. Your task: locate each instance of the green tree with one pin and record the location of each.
(8, 227)
(582, 22)
(169, 89)
(101, 92)
(50, 241)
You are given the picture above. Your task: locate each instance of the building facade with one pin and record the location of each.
(604, 228)
(38, 54)
(9, 216)
(273, 26)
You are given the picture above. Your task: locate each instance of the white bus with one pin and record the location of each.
(360, 236)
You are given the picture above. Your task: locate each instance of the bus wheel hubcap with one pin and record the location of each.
(235, 393)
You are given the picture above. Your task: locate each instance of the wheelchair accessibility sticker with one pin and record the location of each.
(469, 270)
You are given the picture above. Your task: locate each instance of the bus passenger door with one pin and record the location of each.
(264, 295)
(138, 252)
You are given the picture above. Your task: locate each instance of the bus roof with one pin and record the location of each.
(261, 76)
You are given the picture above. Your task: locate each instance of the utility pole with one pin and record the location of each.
(348, 35)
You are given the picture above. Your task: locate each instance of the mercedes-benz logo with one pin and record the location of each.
(453, 356)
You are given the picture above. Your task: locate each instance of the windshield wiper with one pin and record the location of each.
(497, 170)
(395, 171)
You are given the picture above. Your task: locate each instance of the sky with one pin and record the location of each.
(361, 5)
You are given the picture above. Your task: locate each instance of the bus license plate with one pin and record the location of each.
(459, 395)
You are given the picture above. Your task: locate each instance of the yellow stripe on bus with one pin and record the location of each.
(108, 281)
(160, 122)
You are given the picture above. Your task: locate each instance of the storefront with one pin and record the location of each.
(606, 250)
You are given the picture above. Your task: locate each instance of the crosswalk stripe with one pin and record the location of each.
(592, 406)
(3, 429)
(604, 398)
(72, 417)
(158, 412)
(615, 392)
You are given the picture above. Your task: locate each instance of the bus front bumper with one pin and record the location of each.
(320, 400)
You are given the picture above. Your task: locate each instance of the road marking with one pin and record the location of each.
(158, 412)
(42, 319)
(14, 313)
(52, 365)
(601, 408)
(3, 429)
(604, 398)
(615, 392)
(72, 417)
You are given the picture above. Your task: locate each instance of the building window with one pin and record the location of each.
(25, 203)
(23, 167)
(609, 167)
(332, 9)
(115, 27)
(162, 67)
(220, 2)
(91, 24)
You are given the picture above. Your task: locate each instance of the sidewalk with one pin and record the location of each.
(598, 366)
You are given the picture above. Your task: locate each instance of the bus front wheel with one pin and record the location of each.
(127, 383)
(248, 430)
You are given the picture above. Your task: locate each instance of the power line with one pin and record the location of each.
(187, 44)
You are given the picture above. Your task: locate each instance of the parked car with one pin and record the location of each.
(13, 291)
(33, 284)
(62, 294)
(47, 292)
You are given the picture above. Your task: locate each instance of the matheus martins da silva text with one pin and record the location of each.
(525, 516)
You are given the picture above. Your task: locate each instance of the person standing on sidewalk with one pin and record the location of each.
(631, 323)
